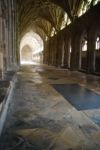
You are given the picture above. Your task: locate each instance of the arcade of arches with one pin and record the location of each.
(50, 74)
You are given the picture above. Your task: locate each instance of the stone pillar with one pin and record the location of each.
(91, 54)
(75, 53)
(14, 32)
(59, 50)
(4, 46)
(62, 53)
(7, 42)
(54, 49)
(11, 35)
(3, 52)
(47, 52)
(1, 48)
(14, 17)
(44, 52)
(51, 51)
(67, 46)
(1, 63)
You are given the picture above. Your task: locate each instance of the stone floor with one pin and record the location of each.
(39, 118)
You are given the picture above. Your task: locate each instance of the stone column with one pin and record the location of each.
(52, 47)
(51, 51)
(4, 46)
(14, 32)
(7, 42)
(59, 50)
(91, 54)
(11, 35)
(1, 46)
(62, 53)
(67, 46)
(54, 51)
(44, 52)
(75, 53)
(47, 52)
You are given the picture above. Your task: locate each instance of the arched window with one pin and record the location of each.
(84, 45)
(98, 43)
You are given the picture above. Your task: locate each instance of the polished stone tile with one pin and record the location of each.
(40, 118)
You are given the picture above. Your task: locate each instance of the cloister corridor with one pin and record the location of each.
(49, 74)
(40, 118)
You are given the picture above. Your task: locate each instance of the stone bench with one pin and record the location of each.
(9, 75)
(6, 88)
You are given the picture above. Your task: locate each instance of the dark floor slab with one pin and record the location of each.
(9, 75)
(96, 120)
(4, 84)
(81, 98)
(53, 78)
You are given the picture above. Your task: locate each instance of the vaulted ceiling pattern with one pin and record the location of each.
(49, 16)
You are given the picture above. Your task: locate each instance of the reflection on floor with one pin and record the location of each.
(39, 117)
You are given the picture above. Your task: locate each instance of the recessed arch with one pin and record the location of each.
(26, 54)
(31, 46)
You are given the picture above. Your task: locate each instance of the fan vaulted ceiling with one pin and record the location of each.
(47, 17)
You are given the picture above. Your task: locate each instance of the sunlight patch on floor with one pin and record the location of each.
(28, 63)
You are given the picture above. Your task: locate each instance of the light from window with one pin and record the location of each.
(66, 21)
(84, 45)
(70, 49)
(98, 43)
(96, 1)
(53, 32)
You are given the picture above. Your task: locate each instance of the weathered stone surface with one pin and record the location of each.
(40, 118)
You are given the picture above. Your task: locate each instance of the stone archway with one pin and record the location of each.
(26, 54)
(31, 48)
